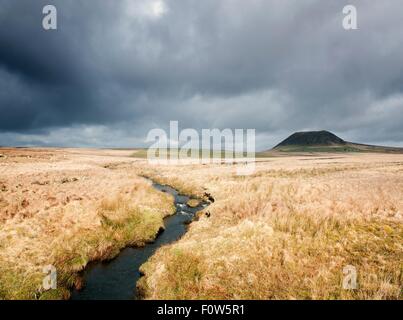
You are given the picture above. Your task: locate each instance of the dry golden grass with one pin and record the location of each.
(284, 232)
(287, 231)
(67, 210)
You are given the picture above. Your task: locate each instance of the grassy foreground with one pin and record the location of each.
(284, 232)
(287, 231)
(68, 217)
(122, 222)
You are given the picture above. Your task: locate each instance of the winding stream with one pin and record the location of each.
(116, 279)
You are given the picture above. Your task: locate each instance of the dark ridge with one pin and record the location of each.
(312, 138)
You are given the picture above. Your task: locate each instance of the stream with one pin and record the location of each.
(116, 279)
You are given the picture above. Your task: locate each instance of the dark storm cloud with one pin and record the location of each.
(115, 69)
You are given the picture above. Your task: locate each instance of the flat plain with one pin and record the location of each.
(284, 232)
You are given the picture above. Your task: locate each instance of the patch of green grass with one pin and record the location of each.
(18, 285)
(55, 294)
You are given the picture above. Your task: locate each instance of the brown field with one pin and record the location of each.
(284, 232)
(66, 208)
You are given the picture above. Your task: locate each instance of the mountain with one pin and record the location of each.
(325, 141)
(311, 138)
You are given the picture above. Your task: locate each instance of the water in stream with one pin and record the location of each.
(116, 279)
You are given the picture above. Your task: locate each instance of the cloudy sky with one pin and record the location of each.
(113, 70)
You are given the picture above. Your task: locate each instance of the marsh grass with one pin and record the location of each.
(286, 232)
(120, 220)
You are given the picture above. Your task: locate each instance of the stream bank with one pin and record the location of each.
(116, 279)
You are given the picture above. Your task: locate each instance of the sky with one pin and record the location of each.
(113, 70)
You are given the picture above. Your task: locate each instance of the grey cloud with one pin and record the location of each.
(278, 66)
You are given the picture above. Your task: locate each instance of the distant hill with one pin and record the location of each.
(325, 141)
(303, 142)
(311, 138)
